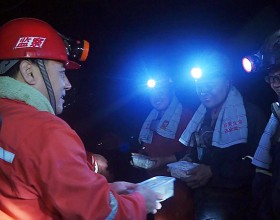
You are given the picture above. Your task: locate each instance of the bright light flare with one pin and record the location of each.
(247, 64)
(151, 83)
(196, 72)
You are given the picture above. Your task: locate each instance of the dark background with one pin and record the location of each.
(132, 39)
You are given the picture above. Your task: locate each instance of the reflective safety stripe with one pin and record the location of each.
(114, 206)
(266, 172)
(6, 155)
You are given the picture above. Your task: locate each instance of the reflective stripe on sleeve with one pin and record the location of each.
(114, 206)
(6, 155)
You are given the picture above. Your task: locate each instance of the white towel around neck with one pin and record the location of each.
(168, 124)
(231, 127)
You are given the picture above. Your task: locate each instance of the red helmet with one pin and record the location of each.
(32, 38)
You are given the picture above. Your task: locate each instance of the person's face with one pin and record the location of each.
(160, 98)
(274, 80)
(29, 73)
(212, 92)
(59, 81)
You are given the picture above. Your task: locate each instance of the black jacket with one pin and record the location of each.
(229, 168)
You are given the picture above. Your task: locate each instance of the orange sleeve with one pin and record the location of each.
(67, 185)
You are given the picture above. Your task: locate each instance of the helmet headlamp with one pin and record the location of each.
(159, 83)
(76, 49)
(252, 63)
(211, 64)
(196, 72)
(267, 58)
(151, 83)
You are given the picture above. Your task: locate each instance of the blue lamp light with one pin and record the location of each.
(151, 83)
(196, 72)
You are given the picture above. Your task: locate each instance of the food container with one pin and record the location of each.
(140, 160)
(179, 169)
(161, 184)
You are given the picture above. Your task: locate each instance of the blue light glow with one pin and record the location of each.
(151, 83)
(196, 72)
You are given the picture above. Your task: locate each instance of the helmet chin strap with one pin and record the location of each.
(47, 82)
